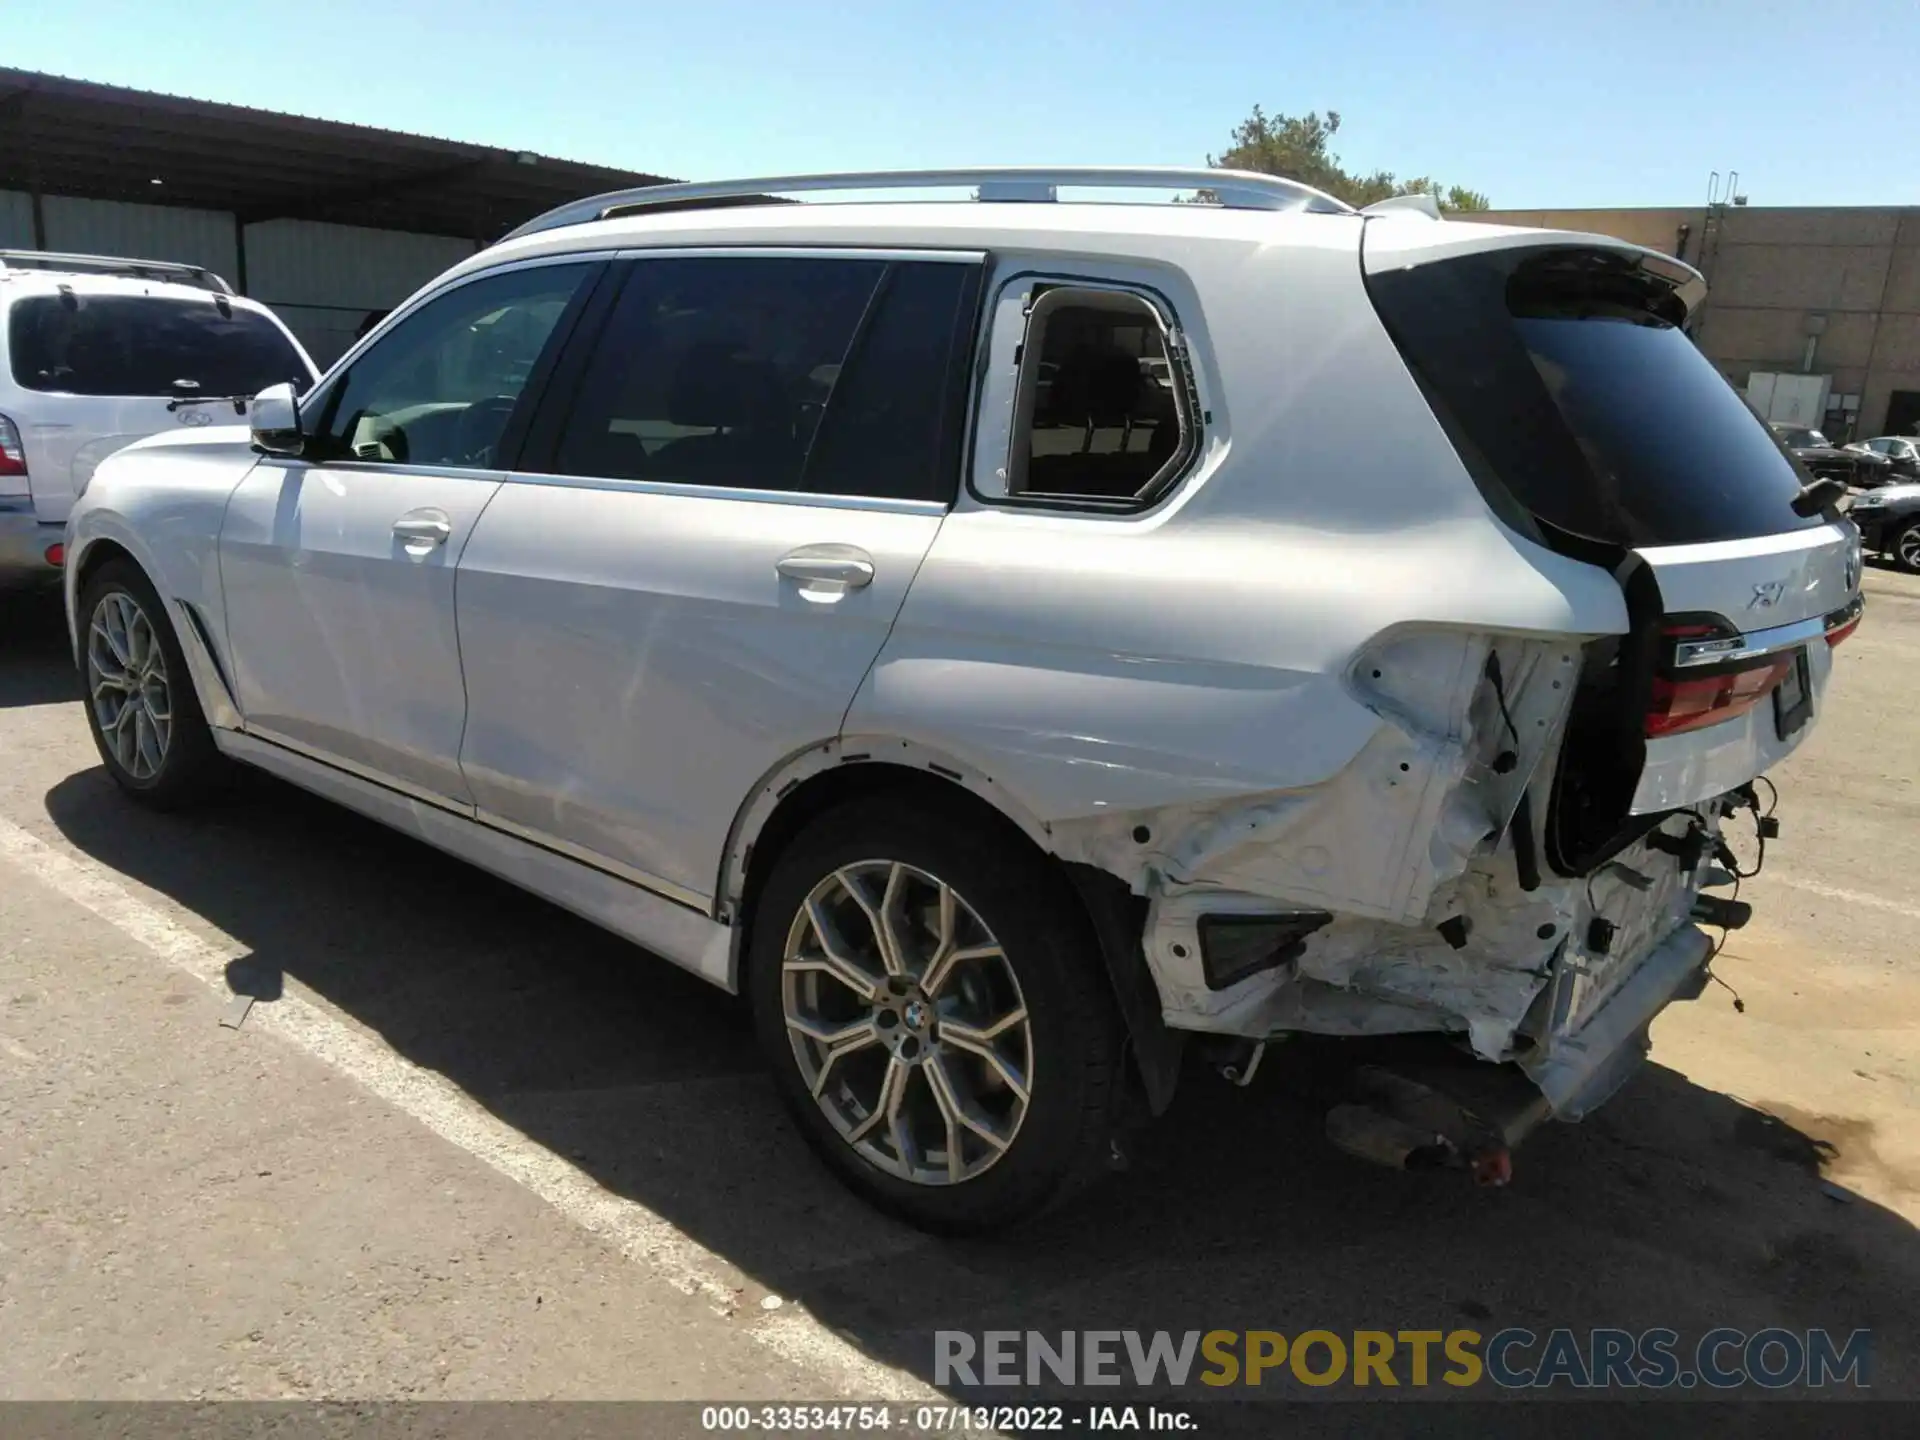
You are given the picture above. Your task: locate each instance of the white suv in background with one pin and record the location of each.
(1015, 642)
(97, 351)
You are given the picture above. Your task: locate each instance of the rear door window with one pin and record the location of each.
(147, 345)
(831, 376)
(1571, 390)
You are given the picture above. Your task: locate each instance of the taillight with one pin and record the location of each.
(1689, 704)
(13, 455)
(1680, 701)
(1842, 623)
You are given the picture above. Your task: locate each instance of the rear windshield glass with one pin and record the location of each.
(146, 345)
(1567, 384)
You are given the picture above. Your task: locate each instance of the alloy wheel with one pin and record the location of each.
(128, 686)
(1909, 547)
(907, 1022)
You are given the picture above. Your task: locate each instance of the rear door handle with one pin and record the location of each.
(846, 566)
(423, 529)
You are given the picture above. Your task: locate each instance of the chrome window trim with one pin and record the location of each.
(1748, 646)
(382, 467)
(818, 500)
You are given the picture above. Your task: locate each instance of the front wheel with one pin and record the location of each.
(141, 707)
(931, 1002)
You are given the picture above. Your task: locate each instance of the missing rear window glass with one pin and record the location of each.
(1102, 409)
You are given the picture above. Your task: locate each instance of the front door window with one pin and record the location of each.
(440, 387)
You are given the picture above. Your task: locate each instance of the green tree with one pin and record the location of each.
(1299, 147)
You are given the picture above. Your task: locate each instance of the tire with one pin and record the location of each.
(160, 751)
(1905, 547)
(1065, 1053)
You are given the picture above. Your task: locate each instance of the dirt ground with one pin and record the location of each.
(464, 1146)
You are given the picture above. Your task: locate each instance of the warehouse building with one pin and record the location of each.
(1813, 312)
(324, 222)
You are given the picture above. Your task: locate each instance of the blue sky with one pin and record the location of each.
(1550, 103)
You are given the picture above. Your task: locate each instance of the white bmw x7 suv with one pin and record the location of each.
(1011, 639)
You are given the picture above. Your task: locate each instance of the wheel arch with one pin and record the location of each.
(204, 670)
(838, 771)
(97, 552)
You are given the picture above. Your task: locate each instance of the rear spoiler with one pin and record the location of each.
(175, 271)
(1404, 247)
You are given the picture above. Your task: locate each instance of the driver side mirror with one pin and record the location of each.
(276, 422)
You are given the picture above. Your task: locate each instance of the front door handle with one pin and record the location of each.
(838, 568)
(421, 530)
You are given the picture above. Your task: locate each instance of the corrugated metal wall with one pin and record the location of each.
(320, 279)
(323, 279)
(16, 220)
(145, 232)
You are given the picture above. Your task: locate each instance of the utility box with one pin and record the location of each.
(1784, 398)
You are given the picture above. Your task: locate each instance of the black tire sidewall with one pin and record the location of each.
(183, 772)
(1063, 1137)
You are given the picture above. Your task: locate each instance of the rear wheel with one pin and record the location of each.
(140, 705)
(1906, 548)
(931, 1003)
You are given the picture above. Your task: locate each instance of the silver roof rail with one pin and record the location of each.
(1233, 189)
(169, 270)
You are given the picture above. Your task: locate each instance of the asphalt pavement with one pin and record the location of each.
(292, 1106)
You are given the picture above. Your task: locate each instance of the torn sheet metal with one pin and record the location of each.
(1409, 847)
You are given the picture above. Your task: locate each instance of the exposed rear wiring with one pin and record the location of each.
(1762, 826)
(1739, 1005)
(1500, 692)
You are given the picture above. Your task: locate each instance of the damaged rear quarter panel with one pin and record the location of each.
(1172, 695)
(1221, 740)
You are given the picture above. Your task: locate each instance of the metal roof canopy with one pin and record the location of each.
(104, 142)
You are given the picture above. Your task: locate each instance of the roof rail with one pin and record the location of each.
(171, 270)
(1233, 189)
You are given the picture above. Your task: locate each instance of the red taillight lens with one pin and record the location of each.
(56, 555)
(1686, 703)
(1843, 623)
(1680, 701)
(13, 455)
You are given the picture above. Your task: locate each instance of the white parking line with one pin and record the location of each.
(635, 1231)
(1851, 897)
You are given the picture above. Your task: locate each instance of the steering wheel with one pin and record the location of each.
(481, 426)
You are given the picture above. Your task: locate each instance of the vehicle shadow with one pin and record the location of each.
(36, 667)
(1676, 1206)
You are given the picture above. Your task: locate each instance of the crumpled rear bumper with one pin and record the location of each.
(1579, 1071)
